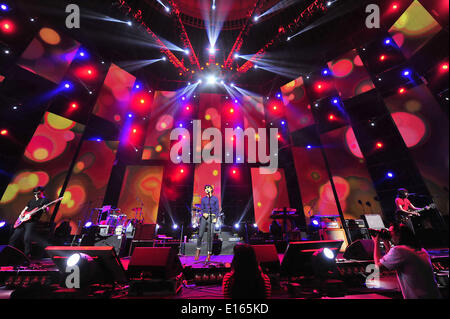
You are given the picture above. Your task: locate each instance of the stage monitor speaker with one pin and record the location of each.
(108, 268)
(145, 232)
(116, 241)
(297, 258)
(10, 256)
(360, 250)
(154, 263)
(267, 257)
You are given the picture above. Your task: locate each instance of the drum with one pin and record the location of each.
(112, 221)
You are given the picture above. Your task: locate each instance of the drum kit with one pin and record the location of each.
(112, 221)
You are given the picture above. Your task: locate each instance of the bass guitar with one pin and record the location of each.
(26, 216)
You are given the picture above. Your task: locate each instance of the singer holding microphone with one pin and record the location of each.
(210, 211)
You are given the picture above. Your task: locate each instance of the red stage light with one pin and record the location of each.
(134, 130)
(231, 110)
(234, 172)
(188, 108)
(319, 86)
(402, 90)
(331, 117)
(275, 108)
(395, 6)
(7, 26)
(379, 145)
(4, 132)
(444, 67)
(182, 171)
(382, 57)
(74, 105)
(142, 101)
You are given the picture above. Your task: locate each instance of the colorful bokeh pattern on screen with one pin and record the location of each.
(352, 180)
(207, 174)
(298, 107)
(143, 183)
(87, 185)
(49, 55)
(45, 163)
(162, 121)
(115, 95)
(269, 192)
(413, 112)
(351, 77)
(414, 29)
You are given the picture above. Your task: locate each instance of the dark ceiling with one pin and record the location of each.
(339, 29)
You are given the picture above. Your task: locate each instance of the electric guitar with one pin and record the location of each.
(407, 215)
(26, 216)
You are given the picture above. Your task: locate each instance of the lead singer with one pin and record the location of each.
(210, 210)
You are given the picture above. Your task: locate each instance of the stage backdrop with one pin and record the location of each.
(45, 163)
(49, 55)
(269, 192)
(87, 185)
(141, 184)
(425, 131)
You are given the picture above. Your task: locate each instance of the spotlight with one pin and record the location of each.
(137, 86)
(382, 57)
(325, 72)
(328, 253)
(175, 226)
(255, 66)
(288, 39)
(232, 85)
(255, 225)
(401, 90)
(315, 222)
(335, 101)
(183, 98)
(7, 27)
(308, 147)
(199, 81)
(211, 79)
(130, 115)
(73, 260)
(2, 223)
(283, 122)
(390, 175)
(6, 51)
(88, 224)
(279, 95)
(395, 6)
(98, 139)
(213, 7)
(407, 73)
(67, 85)
(236, 226)
(167, 9)
(255, 18)
(3, 132)
(236, 56)
(164, 58)
(187, 52)
(331, 117)
(212, 50)
(130, 23)
(379, 145)
(4, 7)
(387, 41)
(444, 67)
(236, 101)
(74, 105)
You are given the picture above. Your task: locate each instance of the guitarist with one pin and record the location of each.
(210, 211)
(25, 231)
(405, 209)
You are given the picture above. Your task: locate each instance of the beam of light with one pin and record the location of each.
(279, 6)
(245, 211)
(279, 66)
(166, 7)
(131, 66)
(327, 18)
(214, 19)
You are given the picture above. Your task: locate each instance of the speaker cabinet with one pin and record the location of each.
(154, 263)
(360, 250)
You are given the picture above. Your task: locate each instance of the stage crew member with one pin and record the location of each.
(25, 231)
(209, 211)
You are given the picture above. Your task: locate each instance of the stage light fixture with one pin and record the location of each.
(331, 117)
(74, 105)
(211, 79)
(175, 226)
(288, 39)
(167, 9)
(444, 67)
(390, 175)
(387, 41)
(6, 51)
(164, 58)
(2, 223)
(7, 26)
(406, 73)
(283, 122)
(67, 85)
(279, 95)
(255, 18)
(401, 90)
(328, 253)
(236, 56)
(236, 101)
(187, 52)
(129, 23)
(395, 6)
(134, 130)
(325, 72)
(308, 147)
(255, 225)
(382, 57)
(4, 7)
(88, 224)
(236, 226)
(212, 50)
(335, 101)
(3, 132)
(379, 145)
